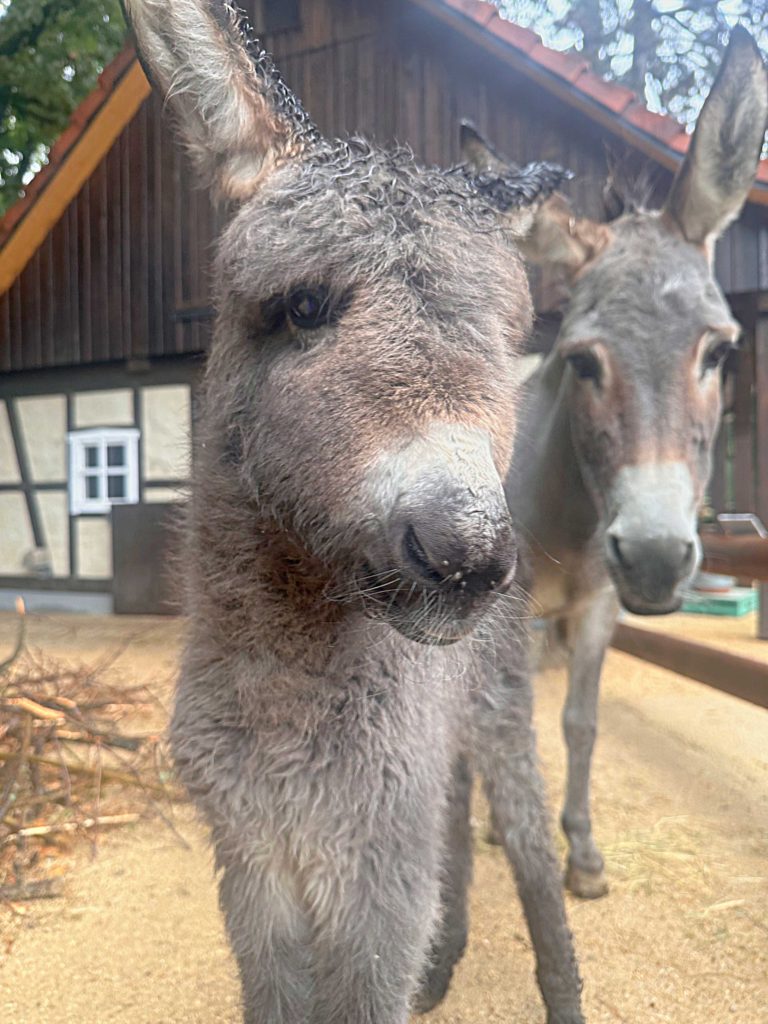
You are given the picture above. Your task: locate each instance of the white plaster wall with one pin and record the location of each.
(44, 428)
(16, 538)
(112, 408)
(54, 511)
(166, 428)
(160, 494)
(9, 467)
(94, 547)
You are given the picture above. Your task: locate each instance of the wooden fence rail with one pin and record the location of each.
(746, 557)
(731, 673)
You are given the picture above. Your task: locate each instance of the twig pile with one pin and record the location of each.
(68, 764)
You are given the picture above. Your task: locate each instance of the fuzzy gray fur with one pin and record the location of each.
(319, 744)
(329, 754)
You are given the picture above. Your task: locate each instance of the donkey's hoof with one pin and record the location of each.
(587, 885)
(436, 979)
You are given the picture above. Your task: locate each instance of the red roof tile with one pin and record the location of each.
(565, 65)
(521, 38)
(477, 10)
(88, 107)
(116, 68)
(661, 127)
(615, 97)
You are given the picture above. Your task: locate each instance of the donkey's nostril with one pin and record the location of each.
(646, 554)
(418, 558)
(690, 554)
(619, 553)
(437, 552)
(502, 585)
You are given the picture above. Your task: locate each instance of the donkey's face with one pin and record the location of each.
(645, 332)
(360, 393)
(363, 390)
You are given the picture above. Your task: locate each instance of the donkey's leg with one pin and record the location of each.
(589, 633)
(451, 938)
(344, 940)
(270, 940)
(505, 753)
(369, 954)
(547, 648)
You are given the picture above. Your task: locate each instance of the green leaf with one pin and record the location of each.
(51, 54)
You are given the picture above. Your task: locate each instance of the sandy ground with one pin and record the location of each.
(681, 812)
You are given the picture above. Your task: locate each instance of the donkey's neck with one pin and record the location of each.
(261, 592)
(546, 469)
(298, 656)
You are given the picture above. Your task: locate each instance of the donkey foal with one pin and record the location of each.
(348, 524)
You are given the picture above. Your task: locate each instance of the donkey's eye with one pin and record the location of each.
(309, 308)
(585, 365)
(716, 356)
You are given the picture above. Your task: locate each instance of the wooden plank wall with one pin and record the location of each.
(739, 480)
(741, 260)
(125, 273)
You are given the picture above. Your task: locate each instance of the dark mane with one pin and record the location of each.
(630, 186)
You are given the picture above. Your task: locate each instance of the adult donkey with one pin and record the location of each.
(348, 501)
(616, 428)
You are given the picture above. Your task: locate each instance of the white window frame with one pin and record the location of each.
(78, 440)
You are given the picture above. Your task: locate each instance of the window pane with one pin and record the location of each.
(115, 454)
(92, 489)
(116, 487)
(91, 455)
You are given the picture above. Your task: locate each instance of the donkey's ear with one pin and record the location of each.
(517, 192)
(559, 239)
(236, 116)
(478, 154)
(712, 185)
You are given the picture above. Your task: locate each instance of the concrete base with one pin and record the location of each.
(57, 601)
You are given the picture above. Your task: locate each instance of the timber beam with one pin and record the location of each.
(742, 677)
(746, 557)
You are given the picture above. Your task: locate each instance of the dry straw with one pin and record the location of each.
(73, 760)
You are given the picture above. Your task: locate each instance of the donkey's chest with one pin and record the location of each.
(297, 801)
(263, 741)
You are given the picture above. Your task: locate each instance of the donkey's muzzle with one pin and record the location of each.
(648, 572)
(441, 546)
(440, 564)
(443, 552)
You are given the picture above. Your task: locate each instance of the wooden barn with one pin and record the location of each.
(104, 284)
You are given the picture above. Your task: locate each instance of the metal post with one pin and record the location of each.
(761, 437)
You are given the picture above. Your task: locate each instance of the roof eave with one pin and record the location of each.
(29, 221)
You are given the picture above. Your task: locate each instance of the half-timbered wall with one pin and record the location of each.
(45, 542)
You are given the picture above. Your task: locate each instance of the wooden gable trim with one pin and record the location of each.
(70, 176)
